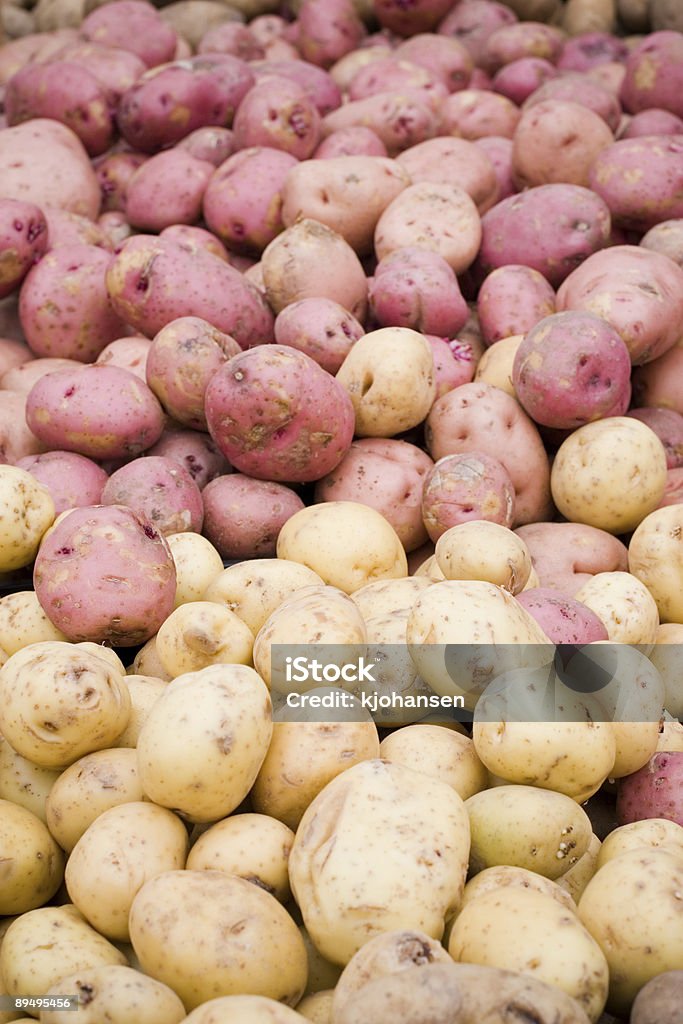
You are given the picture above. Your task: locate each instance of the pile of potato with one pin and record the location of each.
(355, 325)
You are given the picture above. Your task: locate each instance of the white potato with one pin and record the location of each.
(26, 512)
(23, 782)
(624, 605)
(254, 589)
(654, 557)
(495, 366)
(667, 658)
(579, 875)
(386, 597)
(23, 622)
(148, 663)
(322, 975)
(31, 863)
(650, 832)
(117, 995)
(197, 564)
(243, 1010)
(480, 550)
(201, 633)
(144, 691)
(441, 753)
(505, 875)
(317, 1007)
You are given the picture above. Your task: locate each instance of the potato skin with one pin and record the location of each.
(159, 490)
(658, 1001)
(566, 555)
(26, 512)
(400, 120)
(278, 113)
(120, 993)
(321, 328)
(463, 487)
(550, 127)
(243, 1010)
(32, 862)
(639, 179)
(243, 516)
(416, 288)
(653, 74)
(23, 240)
(167, 189)
(512, 300)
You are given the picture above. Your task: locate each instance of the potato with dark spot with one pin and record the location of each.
(159, 490)
(26, 512)
(32, 863)
(255, 847)
(23, 240)
(118, 995)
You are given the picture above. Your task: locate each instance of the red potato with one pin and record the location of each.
(652, 122)
(64, 306)
(567, 555)
(182, 359)
(641, 180)
(72, 480)
(160, 490)
(393, 75)
(328, 29)
(168, 189)
(480, 418)
(417, 288)
(152, 281)
(233, 38)
(279, 114)
(114, 173)
(105, 574)
(102, 412)
(440, 218)
(570, 369)
(43, 161)
(115, 69)
(654, 74)
(23, 240)
(243, 200)
(211, 143)
(64, 228)
(668, 426)
(577, 88)
(590, 49)
(400, 120)
(499, 152)
(465, 487)
(316, 82)
(193, 239)
(17, 440)
(354, 141)
(195, 451)
(268, 27)
(654, 791)
(475, 113)
(515, 230)
(523, 39)
(673, 491)
(243, 517)
(115, 227)
(519, 79)
(320, 328)
(132, 25)
(562, 619)
(348, 194)
(410, 19)
(638, 292)
(473, 22)
(512, 300)
(388, 475)
(454, 363)
(22, 378)
(557, 141)
(129, 353)
(66, 92)
(13, 354)
(658, 383)
(451, 161)
(667, 238)
(610, 76)
(345, 70)
(170, 102)
(444, 57)
(36, 46)
(301, 425)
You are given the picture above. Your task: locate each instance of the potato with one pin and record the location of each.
(464, 487)
(119, 994)
(243, 1010)
(483, 419)
(157, 489)
(653, 790)
(441, 753)
(22, 378)
(360, 546)
(33, 864)
(400, 118)
(143, 691)
(246, 943)
(523, 77)
(496, 365)
(23, 622)
(667, 238)
(653, 74)
(194, 450)
(637, 178)
(320, 328)
(505, 877)
(652, 560)
(512, 300)
(167, 189)
(632, 467)
(134, 26)
(665, 657)
(563, 619)
(243, 516)
(376, 374)
(278, 113)
(197, 564)
(477, 113)
(26, 512)
(447, 160)
(23, 240)
(624, 604)
(393, 74)
(252, 846)
(254, 589)
(72, 480)
(658, 1001)
(658, 833)
(531, 828)
(579, 875)
(24, 783)
(416, 288)
(226, 726)
(317, 1007)
(66, 228)
(566, 555)
(481, 550)
(473, 27)
(201, 633)
(105, 574)
(318, 85)
(637, 945)
(426, 891)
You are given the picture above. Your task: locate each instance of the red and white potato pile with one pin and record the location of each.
(382, 303)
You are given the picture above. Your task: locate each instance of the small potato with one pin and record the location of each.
(278, 113)
(631, 463)
(563, 619)
(146, 662)
(197, 565)
(481, 550)
(447, 160)
(143, 691)
(167, 189)
(637, 178)
(24, 783)
(26, 512)
(202, 633)
(32, 863)
(194, 450)
(473, 114)
(667, 238)
(23, 240)
(505, 876)
(528, 827)
(665, 656)
(317, 1007)
(243, 516)
(416, 288)
(624, 604)
(579, 875)
(72, 480)
(441, 753)
(90, 786)
(496, 365)
(254, 589)
(650, 832)
(243, 1010)
(566, 555)
(158, 490)
(117, 995)
(241, 940)
(511, 300)
(220, 718)
(347, 544)
(23, 622)
(653, 559)
(320, 328)
(400, 119)
(465, 487)
(252, 846)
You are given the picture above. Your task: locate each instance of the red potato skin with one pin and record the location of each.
(519, 79)
(243, 517)
(168, 189)
(557, 141)
(114, 173)
(34, 47)
(152, 281)
(465, 487)
(132, 25)
(279, 114)
(67, 92)
(658, 383)
(328, 29)
(22, 378)
(115, 69)
(23, 240)
(17, 440)
(64, 307)
(13, 354)
(320, 328)
(499, 151)
(115, 227)
(654, 791)
(72, 480)
(567, 555)
(300, 427)
(454, 363)
(654, 74)
(393, 75)
(401, 120)
(523, 39)
(193, 239)
(475, 113)
(243, 199)
(512, 300)
(577, 88)
(354, 141)
(652, 122)
(64, 228)
(418, 289)
(211, 143)
(562, 619)
(105, 574)
(673, 492)
(668, 426)
(233, 38)
(129, 353)
(591, 49)
(445, 58)
(195, 451)
(160, 490)
(641, 180)
(667, 238)
(472, 24)
(410, 19)
(447, 161)
(316, 82)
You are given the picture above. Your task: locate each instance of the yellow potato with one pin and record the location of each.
(624, 605)
(389, 375)
(254, 589)
(197, 564)
(317, 1007)
(610, 474)
(148, 663)
(581, 16)
(632, 908)
(26, 512)
(23, 622)
(204, 741)
(528, 828)
(505, 875)
(579, 875)
(430, 569)
(117, 995)
(362, 860)
(670, 736)
(123, 848)
(243, 1010)
(441, 753)
(89, 787)
(385, 597)
(104, 653)
(480, 550)
(202, 633)
(322, 975)
(23, 782)
(522, 930)
(654, 559)
(667, 658)
(144, 691)
(31, 863)
(636, 743)
(650, 832)
(251, 846)
(218, 935)
(495, 366)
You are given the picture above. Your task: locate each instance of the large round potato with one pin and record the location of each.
(480, 550)
(202, 633)
(32, 863)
